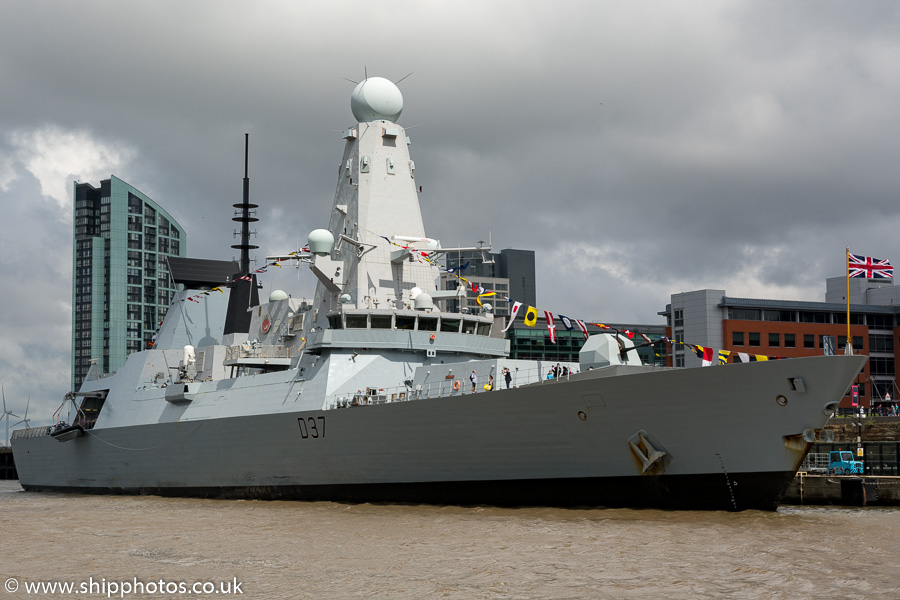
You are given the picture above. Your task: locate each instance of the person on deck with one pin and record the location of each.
(474, 379)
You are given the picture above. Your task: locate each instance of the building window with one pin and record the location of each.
(814, 317)
(790, 340)
(754, 338)
(745, 314)
(780, 315)
(737, 338)
(775, 340)
(679, 317)
(880, 321)
(880, 343)
(809, 340)
(881, 365)
(857, 342)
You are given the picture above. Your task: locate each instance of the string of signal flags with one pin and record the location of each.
(707, 355)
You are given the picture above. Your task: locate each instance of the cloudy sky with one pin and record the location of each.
(640, 148)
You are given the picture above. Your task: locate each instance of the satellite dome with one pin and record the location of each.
(320, 242)
(423, 302)
(376, 99)
(277, 295)
(414, 292)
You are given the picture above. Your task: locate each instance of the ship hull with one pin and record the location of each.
(760, 491)
(725, 434)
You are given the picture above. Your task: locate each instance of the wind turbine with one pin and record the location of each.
(25, 419)
(6, 415)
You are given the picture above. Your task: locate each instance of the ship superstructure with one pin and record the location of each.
(363, 392)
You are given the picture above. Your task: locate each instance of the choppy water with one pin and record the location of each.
(330, 550)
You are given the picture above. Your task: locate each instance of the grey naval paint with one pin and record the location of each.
(300, 406)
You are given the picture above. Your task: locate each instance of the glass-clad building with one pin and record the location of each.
(121, 287)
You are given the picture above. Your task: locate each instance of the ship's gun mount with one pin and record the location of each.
(607, 349)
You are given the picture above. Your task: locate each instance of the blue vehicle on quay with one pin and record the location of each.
(842, 463)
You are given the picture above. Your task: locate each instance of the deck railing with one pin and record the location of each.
(445, 387)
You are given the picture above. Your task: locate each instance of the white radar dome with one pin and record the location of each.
(376, 99)
(424, 302)
(320, 242)
(277, 295)
(414, 292)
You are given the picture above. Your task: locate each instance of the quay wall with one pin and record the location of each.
(843, 490)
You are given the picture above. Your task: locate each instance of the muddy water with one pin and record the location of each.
(330, 550)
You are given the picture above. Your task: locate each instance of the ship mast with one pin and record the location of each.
(243, 293)
(244, 216)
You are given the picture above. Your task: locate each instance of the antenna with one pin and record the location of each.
(244, 215)
(404, 77)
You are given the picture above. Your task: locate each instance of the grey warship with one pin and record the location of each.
(362, 393)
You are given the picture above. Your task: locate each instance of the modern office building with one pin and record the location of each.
(121, 287)
(533, 343)
(787, 329)
(510, 273)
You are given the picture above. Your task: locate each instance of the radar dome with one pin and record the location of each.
(423, 302)
(277, 295)
(320, 242)
(414, 292)
(376, 99)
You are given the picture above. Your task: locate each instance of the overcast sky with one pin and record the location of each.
(640, 148)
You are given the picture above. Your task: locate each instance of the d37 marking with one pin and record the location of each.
(311, 427)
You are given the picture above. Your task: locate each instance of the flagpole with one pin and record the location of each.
(849, 346)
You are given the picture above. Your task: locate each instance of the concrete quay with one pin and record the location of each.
(843, 490)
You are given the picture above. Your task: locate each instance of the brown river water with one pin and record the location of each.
(101, 545)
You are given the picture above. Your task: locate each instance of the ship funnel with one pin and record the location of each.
(321, 242)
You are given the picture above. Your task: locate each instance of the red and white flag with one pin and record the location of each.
(583, 329)
(512, 314)
(551, 326)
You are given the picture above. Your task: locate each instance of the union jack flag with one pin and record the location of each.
(870, 268)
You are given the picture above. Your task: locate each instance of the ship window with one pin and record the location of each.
(468, 326)
(405, 323)
(334, 321)
(357, 322)
(450, 325)
(427, 324)
(484, 329)
(381, 321)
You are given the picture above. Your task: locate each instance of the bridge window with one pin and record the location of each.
(427, 324)
(381, 321)
(405, 323)
(450, 325)
(357, 322)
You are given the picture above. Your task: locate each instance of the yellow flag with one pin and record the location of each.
(531, 316)
(760, 357)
